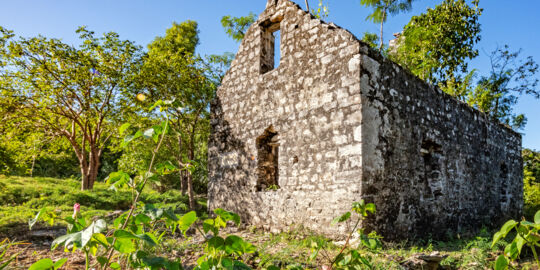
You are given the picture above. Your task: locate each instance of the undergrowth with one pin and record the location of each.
(22, 197)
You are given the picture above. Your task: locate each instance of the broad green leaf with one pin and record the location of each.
(142, 219)
(117, 180)
(186, 221)
(148, 238)
(43, 264)
(59, 263)
(151, 176)
(370, 207)
(508, 226)
(120, 220)
(124, 234)
(123, 128)
(496, 237)
(130, 138)
(166, 168)
(93, 247)
(227, 216)
(501, 263)
(101, 260)
(96, 227)
(527, 223)
(227, 263)
(124, 245)
(238, 265)
(155, 262)
(346, 259)
(519, 242)
(366, 262)
(169, 215)
(220, 222)
(115, 265)
(537, 217)
(522, 228)
(208, 225)
(216, 243)
(342, 218)
(237, 245)
(511, 251)
(148, 133)
(72, 238)
(33, 221)
(532, 237)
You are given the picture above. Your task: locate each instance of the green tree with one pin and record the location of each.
(531, 165)
(509, 78)
(236, 27)
(371, 39)
(322, 11)
(531, 182)
(381, 9)
(171, 70)
(78, 93)
(435, 45)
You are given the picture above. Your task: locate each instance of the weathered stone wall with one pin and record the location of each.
(433, 165)
(312, 100)
(348, 125)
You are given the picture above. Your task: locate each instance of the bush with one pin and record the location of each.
(531, 182)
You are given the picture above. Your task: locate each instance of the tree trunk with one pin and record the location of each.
(85, 179)
(183, 185)
(191, 154)
(90, 170)
(382, 22)
(94, 170)
(191, 197)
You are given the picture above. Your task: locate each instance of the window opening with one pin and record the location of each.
(432, 154)
(503, 174)
(267, 161)
(271, 46)
(277, 48)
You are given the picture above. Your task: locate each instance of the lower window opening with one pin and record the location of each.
(267, 161)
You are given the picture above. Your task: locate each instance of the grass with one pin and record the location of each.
(293, 249)
(22, 197)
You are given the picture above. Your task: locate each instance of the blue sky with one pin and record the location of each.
(503, 22)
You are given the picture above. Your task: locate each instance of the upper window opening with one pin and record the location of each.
(271, 46)
(267, 161)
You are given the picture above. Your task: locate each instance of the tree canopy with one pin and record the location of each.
(436, 45)
(236, 27)
(172, 71)
(381, 9)
(509, 78)
(79, 93)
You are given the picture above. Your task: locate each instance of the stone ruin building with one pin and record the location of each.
(296, 140)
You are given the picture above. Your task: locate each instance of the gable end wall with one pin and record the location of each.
(312, 100)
